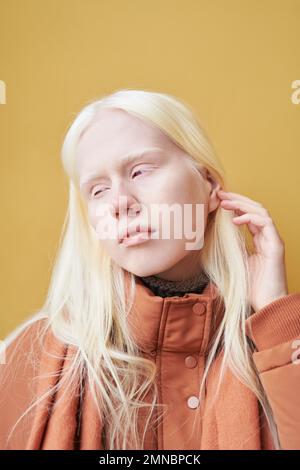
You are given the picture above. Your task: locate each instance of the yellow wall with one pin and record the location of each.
(233, 60)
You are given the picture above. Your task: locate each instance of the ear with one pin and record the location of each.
(212, 190)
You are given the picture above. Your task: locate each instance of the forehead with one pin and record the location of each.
(112, 134)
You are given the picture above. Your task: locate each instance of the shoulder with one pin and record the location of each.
(28, 328)
(21, 353)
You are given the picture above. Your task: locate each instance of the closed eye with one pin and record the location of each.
(141, 170)
(99, 190)
(137, 171)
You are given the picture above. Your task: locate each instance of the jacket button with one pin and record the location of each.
(193, 402)
(190, 362)
(199, 308)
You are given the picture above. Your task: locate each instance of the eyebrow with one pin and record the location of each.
(127, 158)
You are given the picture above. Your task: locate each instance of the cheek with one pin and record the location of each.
(92, 220)
(92, 212)
(95, 220)
(180, 216)
(103, 223)
(179, 185)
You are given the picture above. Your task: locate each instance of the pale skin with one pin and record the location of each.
(268, 278)
(167, 177)
(162, 177)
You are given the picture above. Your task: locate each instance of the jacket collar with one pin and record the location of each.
(182, 324)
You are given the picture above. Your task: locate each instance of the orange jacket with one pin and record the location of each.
(175, 333)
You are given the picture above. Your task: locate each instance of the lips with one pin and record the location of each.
(134, 231)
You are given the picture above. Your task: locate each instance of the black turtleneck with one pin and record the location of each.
(166, 288)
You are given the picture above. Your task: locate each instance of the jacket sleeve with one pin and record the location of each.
(275, 331)
(20, 353)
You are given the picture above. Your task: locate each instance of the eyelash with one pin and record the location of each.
(90, 193)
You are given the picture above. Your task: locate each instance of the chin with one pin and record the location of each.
(148, 268)
(144, 262)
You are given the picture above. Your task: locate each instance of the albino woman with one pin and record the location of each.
(151, 338)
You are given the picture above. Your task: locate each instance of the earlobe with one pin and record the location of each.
(214, 203)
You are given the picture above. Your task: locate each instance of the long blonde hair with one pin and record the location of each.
(86, 302)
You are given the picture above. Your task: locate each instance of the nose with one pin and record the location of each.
(124, 203)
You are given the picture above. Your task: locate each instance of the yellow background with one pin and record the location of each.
(233, 60)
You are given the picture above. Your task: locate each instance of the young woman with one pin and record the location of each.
(148, 341)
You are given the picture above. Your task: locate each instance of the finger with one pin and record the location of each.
(244, 206)
(256, 219)
(257, 223)
(229, 195)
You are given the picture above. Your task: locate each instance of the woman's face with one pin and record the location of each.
(139, 193)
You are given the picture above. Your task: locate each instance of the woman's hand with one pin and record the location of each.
(268, 280)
